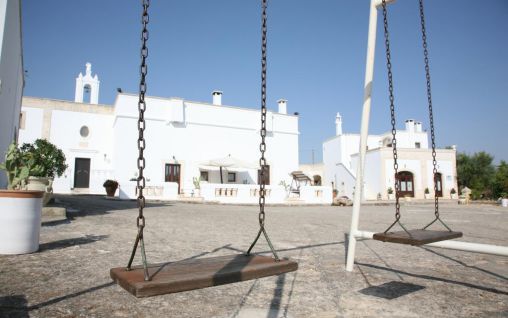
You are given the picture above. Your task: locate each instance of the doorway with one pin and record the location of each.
(82, 173)
(172, 174)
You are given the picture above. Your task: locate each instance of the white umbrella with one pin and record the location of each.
(230, 162)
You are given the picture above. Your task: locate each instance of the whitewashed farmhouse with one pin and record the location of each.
(340, 157)
(186, 144)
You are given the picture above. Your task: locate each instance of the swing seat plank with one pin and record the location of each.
(198, 273)
(416, 237)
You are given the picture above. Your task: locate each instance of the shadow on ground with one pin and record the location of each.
(84, 205)
(391, 290)
(87, 239)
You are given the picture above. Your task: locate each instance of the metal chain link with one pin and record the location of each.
(392, 114)
(262, 145)
(429, 100)
(140, 220)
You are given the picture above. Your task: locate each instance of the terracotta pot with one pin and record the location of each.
(110, 191)
(20, 221)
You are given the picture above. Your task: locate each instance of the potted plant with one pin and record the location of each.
(453, 193)
(504, 199)
(390, 193)
(46, 162)
(20, 210)
(111, 186)
(426, 193)
(197, 187)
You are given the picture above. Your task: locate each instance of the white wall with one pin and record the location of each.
(11, 75)
(33, 125)
(65, 133)
(191, 133)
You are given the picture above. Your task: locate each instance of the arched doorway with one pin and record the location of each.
(438, 179)
(406, 184)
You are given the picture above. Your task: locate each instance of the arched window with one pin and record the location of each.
(86, 94)
(406, 184)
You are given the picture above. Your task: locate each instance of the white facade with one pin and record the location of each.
(11, 75)
(180, 134)
(340, 157)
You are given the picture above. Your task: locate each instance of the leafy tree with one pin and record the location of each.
(477, 173)
(501, 180)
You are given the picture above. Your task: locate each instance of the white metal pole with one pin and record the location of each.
(454, 245)
(369, 73)
(364, 131)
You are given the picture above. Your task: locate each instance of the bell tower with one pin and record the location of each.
(87, 85)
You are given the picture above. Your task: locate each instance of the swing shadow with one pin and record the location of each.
(433, 278)
(17, 304)
(464, 264)
(391, 290)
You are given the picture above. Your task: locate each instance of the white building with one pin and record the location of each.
(182, 137)
(11, 75)
(340, 158)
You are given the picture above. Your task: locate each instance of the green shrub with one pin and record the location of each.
(47, 157)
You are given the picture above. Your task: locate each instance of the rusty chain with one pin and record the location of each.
(141, 182)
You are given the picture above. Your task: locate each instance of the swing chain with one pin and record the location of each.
(262, 145)
(141, 120)
(141, 182)
(392, 113)
(429, 100)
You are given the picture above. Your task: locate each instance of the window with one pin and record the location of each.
(203, 175)
(84, 131)
(417, 145)
(406, 181)
(231, 177)
(87, 94)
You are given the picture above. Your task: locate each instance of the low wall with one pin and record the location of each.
(316, 195)
(249, 194)
(152, 191)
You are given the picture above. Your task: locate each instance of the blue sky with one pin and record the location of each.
(316, 60)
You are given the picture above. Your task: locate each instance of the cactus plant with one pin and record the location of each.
(18, 166)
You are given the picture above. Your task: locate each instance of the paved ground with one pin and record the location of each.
(69, 276)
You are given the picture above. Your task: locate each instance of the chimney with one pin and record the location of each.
(217, 97)
(283, 106)
(410, 125)
(338, 125)
(418, 126)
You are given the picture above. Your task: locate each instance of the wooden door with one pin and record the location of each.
(172, 174)
(82, 173)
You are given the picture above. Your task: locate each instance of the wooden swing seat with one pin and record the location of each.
(198, 273)
(416, 237)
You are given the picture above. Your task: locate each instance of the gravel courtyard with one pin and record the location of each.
(69, 276)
